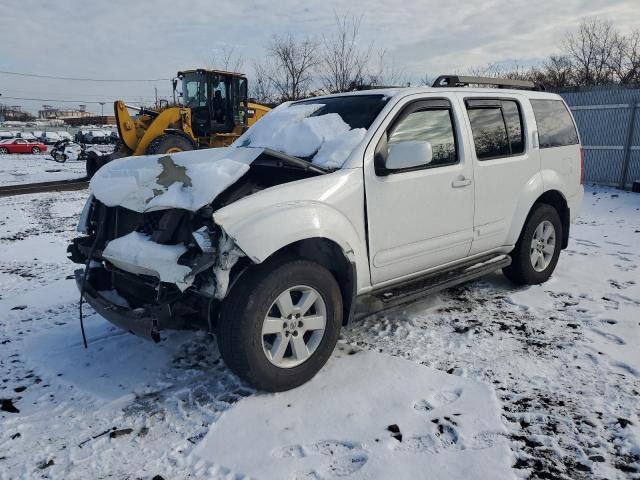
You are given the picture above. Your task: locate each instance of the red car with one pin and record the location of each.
(20, 145)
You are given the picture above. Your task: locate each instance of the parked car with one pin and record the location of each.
(64, 135)
(97, 137)
(4, 135)
(386, 194)
(26, 136)
(49, 138)
(21, 145)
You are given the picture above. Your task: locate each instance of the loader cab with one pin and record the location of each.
(217, 99)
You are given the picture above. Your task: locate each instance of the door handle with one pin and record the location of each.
(461, 182)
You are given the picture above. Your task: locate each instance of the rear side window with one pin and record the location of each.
(496, 126)
(555, 126)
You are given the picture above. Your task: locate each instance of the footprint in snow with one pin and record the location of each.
(438, 399)
(610, 336)
(345, 458)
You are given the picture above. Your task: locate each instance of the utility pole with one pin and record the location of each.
(102, 110)
(156, 90)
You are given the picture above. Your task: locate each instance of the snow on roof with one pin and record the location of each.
(188, 180)
(292, 129)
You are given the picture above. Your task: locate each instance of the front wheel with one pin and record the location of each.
(3, 150)
(280, 323)
(536, 254)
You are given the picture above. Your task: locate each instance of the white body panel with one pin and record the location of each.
(328, 206)
(418, 220)
(415, 220)
(398, 226)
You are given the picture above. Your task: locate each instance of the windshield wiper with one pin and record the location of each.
(298, 162)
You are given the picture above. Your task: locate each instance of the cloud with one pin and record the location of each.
(156, 38)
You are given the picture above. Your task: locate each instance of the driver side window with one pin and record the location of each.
(433, 125)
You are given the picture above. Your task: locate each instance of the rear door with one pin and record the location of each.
(422, 217)
(503, 163)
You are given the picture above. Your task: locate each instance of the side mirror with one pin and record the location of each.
(409, 154)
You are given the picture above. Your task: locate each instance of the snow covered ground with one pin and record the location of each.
(25, 168)
(481, 381)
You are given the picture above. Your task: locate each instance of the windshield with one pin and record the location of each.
(194, 90)
(357, 111)
(323, 131)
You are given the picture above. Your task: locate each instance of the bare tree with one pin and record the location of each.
(289, 65)
(556, 72)
(344, 62)
(387, 72)
(226, 59)
(625, 62)
(591, 50)
(426, 80)
(261, 88)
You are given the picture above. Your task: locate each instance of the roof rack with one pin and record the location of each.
(463, 81)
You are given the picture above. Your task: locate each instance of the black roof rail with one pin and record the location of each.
(463, 81)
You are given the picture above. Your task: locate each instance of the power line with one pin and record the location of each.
(59, 101)
(79, 79)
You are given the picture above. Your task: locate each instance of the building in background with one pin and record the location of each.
(14, 113)
(49, 112)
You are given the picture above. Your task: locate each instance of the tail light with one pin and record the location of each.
(581, 166)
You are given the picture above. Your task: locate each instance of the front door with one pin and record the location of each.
(421, 217)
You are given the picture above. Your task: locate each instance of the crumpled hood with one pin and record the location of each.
(187, 180)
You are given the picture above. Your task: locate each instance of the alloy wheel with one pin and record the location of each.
(294, 326)
(543, 246)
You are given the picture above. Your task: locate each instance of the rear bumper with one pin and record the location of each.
(144, 322)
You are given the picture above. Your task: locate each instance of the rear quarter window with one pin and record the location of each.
(555, 126)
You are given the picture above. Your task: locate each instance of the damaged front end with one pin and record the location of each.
(153, 271)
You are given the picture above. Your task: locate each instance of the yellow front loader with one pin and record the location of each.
(215, 111)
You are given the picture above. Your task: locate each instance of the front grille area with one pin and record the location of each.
(122, 221)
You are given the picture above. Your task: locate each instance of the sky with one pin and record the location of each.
(153, 39)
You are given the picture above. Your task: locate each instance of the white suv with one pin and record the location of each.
(389, 194)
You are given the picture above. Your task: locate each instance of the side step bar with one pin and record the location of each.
(417, 288)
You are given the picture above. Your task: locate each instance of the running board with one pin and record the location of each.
(415, 289)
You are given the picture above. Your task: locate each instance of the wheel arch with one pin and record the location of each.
(322, 251)
(557, 200)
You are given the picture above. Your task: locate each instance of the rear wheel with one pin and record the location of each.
(280, 323)
(536, 254)
(35, 150)
(168, 143)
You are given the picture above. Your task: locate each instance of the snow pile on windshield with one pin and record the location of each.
(188, 180)
(137, 253)
(291, 129)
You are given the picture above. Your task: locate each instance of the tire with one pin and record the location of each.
(93, 163)
(35, 150)
(242, 342)
(522, 271)
(3, 150)
(169, 143)
(59, 157)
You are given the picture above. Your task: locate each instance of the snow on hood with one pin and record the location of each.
(293, 130)
(188, 180)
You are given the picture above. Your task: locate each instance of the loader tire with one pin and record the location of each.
(169, 143)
